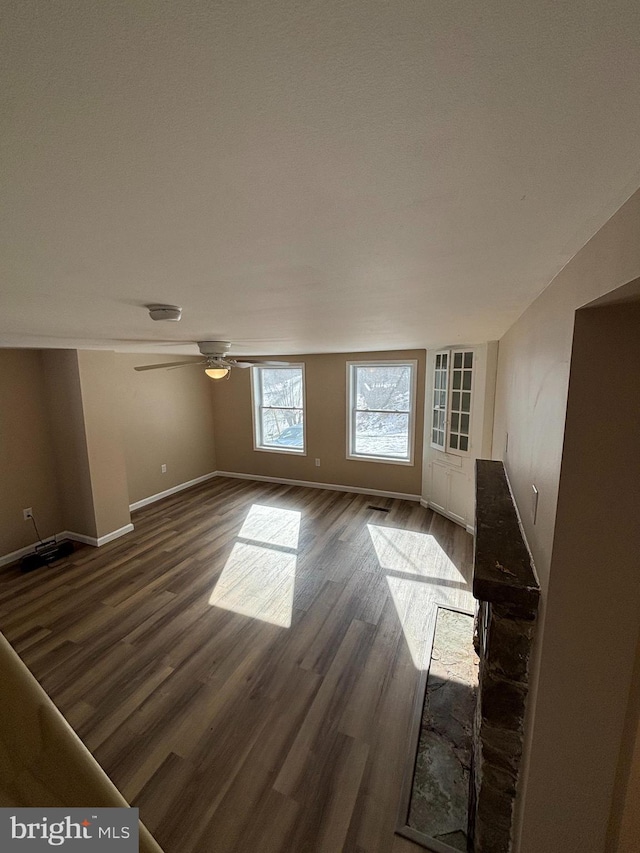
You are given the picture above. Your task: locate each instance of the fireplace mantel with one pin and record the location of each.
(507, 590)
(503, 571)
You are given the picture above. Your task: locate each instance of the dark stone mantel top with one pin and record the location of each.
(503, 572)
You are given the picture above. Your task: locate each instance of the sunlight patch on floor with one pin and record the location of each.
(411, 553)
(415, 605)
(258, 579)
(272, 526)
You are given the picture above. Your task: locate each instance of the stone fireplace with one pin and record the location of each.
(507, 591)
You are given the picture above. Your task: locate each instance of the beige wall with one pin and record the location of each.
(531, 399)
(66, 421)
(593, 597)
(624, 826)
(101, 396)
(167, 418)
(83, 435)
(26, 453)
(627, 840)
(326, 390)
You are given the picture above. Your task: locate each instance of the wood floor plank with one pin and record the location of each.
(246, 680)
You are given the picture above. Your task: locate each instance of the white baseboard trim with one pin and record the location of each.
(19, 554)
(332, 487)
(115, 534)
(158, 497)
(100, 540)
(80, 537)
(67, 534)
(427, 505)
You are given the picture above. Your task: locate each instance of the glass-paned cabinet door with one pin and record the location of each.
(439, 405)
(451, 406)
(459, 437)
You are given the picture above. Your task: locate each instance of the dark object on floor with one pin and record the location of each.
(379, 508)
(46, 553)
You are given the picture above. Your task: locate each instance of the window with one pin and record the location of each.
(381, 410)
(278, 408)
(451, 405)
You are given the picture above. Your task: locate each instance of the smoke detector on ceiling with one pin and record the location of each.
(165, 312)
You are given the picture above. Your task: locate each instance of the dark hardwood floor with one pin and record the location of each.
(243, 665)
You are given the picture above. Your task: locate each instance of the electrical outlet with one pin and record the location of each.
(27, 513)
(317, 463)
(163, 469)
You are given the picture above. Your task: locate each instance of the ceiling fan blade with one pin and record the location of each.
(169, 364)
(186, 364)
(249, 362)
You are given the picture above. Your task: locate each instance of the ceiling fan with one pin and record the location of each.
(217, 364)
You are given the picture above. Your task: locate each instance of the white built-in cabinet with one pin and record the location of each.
(458, 426)
(449, 491)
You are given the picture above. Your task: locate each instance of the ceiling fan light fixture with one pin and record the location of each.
(217, 372)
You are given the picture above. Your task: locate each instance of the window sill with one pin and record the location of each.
(289, 450)
(386, 460)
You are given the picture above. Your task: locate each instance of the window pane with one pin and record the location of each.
(464, 424)
(466, 382)
(464, 442)
(457, 359)
(379, 434)
(384, 387)
(455, 401)
(453, 442)
(281, 386)
(468, 359)
(438, 357)
(457, 378)
(282, 428)
(466, 402)
(454, 422)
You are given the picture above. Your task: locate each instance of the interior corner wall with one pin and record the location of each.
(66, 420)
(167, 419)
(26, 453)
(326, 428)
(100, 395)
(531, 400)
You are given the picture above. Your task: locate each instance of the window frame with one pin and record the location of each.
(257, 407)
(451, 353)
(352, 366)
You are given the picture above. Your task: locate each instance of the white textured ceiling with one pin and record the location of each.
(319, 175)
